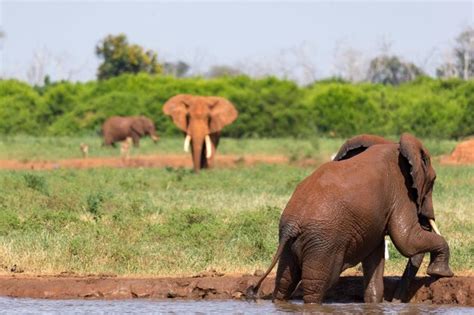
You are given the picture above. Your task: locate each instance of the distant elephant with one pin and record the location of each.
(339, 215)
(201, 118)
(118, 128)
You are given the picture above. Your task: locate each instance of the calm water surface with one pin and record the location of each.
(34, 306)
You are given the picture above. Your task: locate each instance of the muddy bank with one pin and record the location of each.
(165, 160)
(457, 290)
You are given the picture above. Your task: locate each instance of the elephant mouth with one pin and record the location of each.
(207, 142)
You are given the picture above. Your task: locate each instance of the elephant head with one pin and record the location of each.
(421, 173)
(200, 117)
(143, 126)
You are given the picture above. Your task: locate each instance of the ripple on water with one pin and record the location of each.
(35, 306)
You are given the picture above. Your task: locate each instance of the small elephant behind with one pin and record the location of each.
(119, 128)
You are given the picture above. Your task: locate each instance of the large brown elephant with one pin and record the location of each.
(201, 118)
(119, 128)
(339, 215)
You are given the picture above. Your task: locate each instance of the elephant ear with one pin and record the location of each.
(138, 126)
(357, 145)
(223, 113)
(419, 159)
(177, 108)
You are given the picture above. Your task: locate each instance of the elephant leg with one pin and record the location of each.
(320, 272)
(136, 140)
(373, 266)
(204, 159)
(413, 264)
(288, 274)
(411, 239)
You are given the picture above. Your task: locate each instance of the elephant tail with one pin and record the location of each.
(252, 291)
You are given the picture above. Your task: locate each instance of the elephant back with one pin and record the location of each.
(357, 145)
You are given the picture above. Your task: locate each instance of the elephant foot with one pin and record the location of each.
(439, 269)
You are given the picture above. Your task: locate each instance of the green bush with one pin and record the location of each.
(19, 108)
(268, 107)
(36, 182)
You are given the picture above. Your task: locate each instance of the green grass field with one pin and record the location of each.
(27, 148)
(174, 222)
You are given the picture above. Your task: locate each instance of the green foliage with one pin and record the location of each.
(8, 221)
(121, 57)
(19, 108)
(391, 70)
(343, 110)
(36, 182)
(94, 202)
(268, 107)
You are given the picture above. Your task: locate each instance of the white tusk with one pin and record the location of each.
(187, 141)
(207, 140)
(435, 228)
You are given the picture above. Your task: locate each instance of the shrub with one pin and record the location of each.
(268, 107)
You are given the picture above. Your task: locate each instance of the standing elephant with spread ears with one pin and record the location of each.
(339, 215)
(201, 118)
(118, 128)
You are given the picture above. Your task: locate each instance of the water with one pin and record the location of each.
(37, 306)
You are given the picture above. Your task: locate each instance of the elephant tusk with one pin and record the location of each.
(435, 228)
(207, 140)
(187, 141)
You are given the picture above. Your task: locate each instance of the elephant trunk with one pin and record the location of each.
(197, 153)
(154, 137)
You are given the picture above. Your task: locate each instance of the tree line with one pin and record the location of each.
(119, 56)
(268, 107)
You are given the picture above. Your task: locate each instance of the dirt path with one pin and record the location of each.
(164, 160)
(457, 290)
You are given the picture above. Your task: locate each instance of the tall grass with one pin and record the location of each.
(173, 222)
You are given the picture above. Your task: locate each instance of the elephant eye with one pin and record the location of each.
(425, 157)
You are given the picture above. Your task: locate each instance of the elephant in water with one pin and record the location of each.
(201, 118)
(339, 215)
(118, 128)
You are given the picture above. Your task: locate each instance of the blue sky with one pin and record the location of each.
(273, 36)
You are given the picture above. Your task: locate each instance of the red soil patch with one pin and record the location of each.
(462, 154)
(457, 290)
(166, 160)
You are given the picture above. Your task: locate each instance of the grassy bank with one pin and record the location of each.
(169, 222)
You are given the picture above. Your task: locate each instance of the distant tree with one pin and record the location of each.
(223, 71)
(447, 70)
(460, 63)
(392, 70)
(177, 69)
(349, 63)
(121, 57)
(464, 52)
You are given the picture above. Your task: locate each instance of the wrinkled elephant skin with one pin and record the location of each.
(340, 214)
